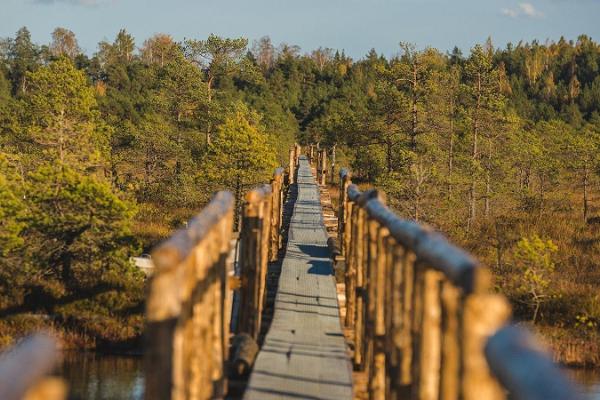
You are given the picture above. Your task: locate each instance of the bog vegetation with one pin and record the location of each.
(102, 156)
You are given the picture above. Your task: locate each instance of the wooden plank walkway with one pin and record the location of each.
(304, 354)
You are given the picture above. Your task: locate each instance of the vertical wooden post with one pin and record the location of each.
(343, 209)
(298, 153)
(407, 311)
(450, 384)
(377, 296)
(323, 167)
(280, 216)
(250, 266)
(292, 167)
(275, 216)
(265, 235)
(396, 277)
(318, 166)
(360, 291)
(351, 262)
(430, 340)
(482, 315)
(370, 288)
(417, 325)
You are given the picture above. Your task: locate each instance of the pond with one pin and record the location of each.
(94, 376)
(589, 379)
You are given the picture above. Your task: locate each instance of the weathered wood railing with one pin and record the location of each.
(24, 370)
(189, 304)
(260, 241)
(424, 320)
(187, 308)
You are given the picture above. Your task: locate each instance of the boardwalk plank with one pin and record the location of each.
(304, 354)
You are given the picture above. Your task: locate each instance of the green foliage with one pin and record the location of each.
(489, 147)
(12, 211)
(62, 116)
(241, 155)
(80, 230)
(533, 257)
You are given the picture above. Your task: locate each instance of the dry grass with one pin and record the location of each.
(154, 223)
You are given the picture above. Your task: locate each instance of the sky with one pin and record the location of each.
(354, 26)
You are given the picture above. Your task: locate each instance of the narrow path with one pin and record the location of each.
(304, 355)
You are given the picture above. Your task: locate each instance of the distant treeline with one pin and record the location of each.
(102, 156)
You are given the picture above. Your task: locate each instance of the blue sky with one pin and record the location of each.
(353, 25)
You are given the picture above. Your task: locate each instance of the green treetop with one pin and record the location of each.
(62, 116)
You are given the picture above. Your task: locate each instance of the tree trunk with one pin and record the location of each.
(488, 188)
(585, 193)
(333, 163)
(487, 195)
(238, 201)
(475, 156)
(389, 156)
(417, 202)
(209, 122)
(451, 149)
(415, 111)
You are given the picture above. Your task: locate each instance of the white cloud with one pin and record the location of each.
(524, 9)
(510, 12)
(529, 10)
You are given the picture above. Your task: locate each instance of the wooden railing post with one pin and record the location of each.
(359, 290)
(343, 209)
(352, 256)
(323, 169)
(276, 214)
(449, 374)
(483, 314)
(254, 258)
(298, 152)
(377, 295)
(292, 166)
(333, 160)
(429, 351)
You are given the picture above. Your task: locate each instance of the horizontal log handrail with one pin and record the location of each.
(527, 372)
(24, 370)
(423, 318)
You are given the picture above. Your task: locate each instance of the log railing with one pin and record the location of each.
(187, 308)
(424, 321)
(189, 303)
(260, 240)
(24, 370)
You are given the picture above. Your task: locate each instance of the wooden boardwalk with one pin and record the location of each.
(304, 354)
(422, 315)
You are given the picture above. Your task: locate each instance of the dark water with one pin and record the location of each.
(94, 376)
(589, 381)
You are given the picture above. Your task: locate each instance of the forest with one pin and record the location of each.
(104, 155)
